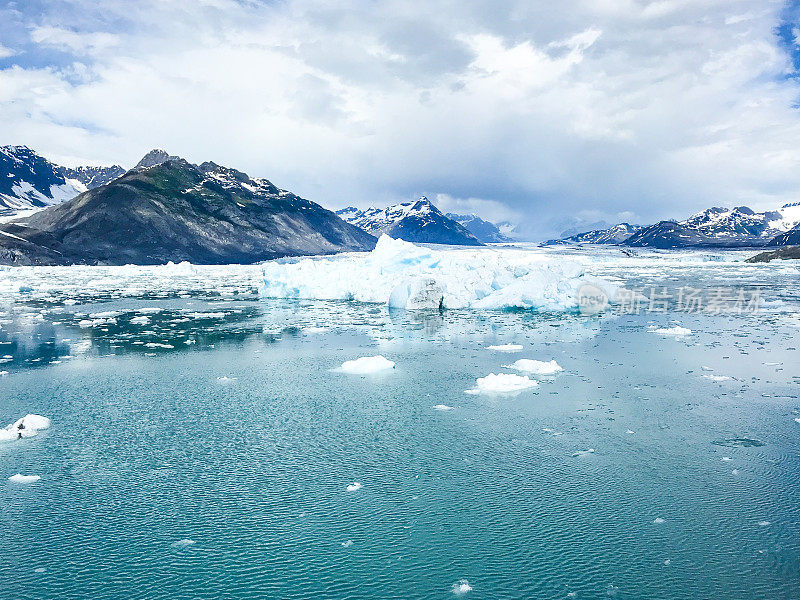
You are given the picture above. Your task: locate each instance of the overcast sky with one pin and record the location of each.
(537, 111)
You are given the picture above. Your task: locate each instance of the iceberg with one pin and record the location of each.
(403, 275)
(506, 348)
(676, 331)
(354, 487)
(366, 364)
(537, 367)
(20, 478)
(502, 383)
(27, 426)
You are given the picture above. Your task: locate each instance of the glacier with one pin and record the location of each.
(404, 275)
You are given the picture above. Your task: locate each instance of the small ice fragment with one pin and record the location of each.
(442, 407)
(40, 570)
(716, 377)
(763, 523)
(726, 458)
(354, 487)
(159, 345)
(502, 383)
(226, 380)
(797, 419)
(667, 561)
(676, 331)
(630, 431)
(536, 367)
(583, 452)
(347, 544)
(183, 543)
(658, 520)
(506, 348)
(141, 320)
(366, 364)
(461, 587)
(735, 472)
(20, 478)
(706, 368)
(70, 302)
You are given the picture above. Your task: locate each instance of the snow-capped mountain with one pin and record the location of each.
(418, 221)
(485, 231)
(29, 181)
(720, 227)
(155, 157)
(176, 211)
(612, 235)
(93, 177)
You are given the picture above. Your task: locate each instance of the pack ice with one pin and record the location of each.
(404, 275)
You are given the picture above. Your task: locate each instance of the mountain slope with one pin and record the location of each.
(28, 180)
(175, 211)
(484, 231)
(613, 235)
(93, 177)
(419, 222)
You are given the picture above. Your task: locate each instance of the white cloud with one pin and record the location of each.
(532, 110)
(6, 52)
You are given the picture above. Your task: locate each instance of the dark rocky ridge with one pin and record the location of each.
(176, 211)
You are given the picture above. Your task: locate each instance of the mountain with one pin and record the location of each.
(485, 231)
(155, 157)
(719, 228)
(93, 177)
(29, 181)
(613, 235)
(584, 228)
(176, 211)
(419, 222)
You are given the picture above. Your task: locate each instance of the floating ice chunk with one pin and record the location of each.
(366, 364)
(461, 587)
(27, 426)
(403, 275)
(505, 348)
(109, 314)
(717, 377)
(676, 331)
(225, 380)
(70, 302)
(347, 544)
(537, 367)
(502, 383)
(183, 543)
(658, 520)
(159, 345)
(583, 452)
(442, 407)
(704, 368)
(149, 310)
(764, 523)
(797, 419)
(630, 431)
(20, 478)
(142, 320)
(735, 472)
(353, 487)
(726, 459)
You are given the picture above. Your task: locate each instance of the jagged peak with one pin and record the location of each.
(156, 156)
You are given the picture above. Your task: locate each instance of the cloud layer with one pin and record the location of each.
(534, 111)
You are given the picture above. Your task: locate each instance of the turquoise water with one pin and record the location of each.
(161, 480)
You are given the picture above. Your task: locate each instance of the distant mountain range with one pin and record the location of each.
(739, 227)
(165, 209)
(418, 221)
(485, 231)
(29, 181)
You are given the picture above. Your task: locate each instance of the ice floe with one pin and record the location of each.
(461, 587)
(506, 348)
(586, 452)
(536, 367)
(354, 487)
(366, 364)
(27, 426)
(20, 478)
(677, 331)
(403, 275)
(658, 521)
(183, 543)
(140, 320)
(442, 407)
(502, 383)
(717, 377)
